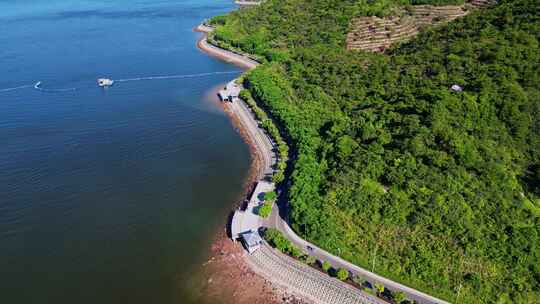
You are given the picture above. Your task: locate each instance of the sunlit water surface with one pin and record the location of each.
(110, 196)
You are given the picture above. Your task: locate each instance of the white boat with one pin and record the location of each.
(105, 82)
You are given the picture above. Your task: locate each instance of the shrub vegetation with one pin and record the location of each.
(326, 266)
(265, 209)
(342, 274)
(277, 240)
(270, 196)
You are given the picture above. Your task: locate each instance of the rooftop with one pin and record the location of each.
(230, 92)
(252, 238)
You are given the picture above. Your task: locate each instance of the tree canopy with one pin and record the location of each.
(442, 186)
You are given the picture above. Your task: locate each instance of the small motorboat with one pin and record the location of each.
(105, 82)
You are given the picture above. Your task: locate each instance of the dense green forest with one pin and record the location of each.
(440, 189)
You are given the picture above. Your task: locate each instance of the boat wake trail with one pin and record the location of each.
(175, 76)
(38, 87)
(16, 88)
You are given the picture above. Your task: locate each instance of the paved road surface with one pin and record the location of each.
(261, 140)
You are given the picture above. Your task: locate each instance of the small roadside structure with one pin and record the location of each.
(252, 241)
(230, 92)
(456, 88)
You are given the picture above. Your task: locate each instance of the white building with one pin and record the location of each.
(456, 88)
(252, 241)
(230, 92)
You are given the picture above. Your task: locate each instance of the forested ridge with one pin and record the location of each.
(439, 189)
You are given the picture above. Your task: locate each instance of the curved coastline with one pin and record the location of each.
(258, 152)
(236, 59)
(229, 259)
(228, 269)
(276, 288)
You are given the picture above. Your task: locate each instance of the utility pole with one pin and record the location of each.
(374, 256)
(459, 288)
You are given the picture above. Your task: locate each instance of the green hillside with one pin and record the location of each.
(442, 186)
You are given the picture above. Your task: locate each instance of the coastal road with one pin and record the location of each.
(337, 262)
(225, 55)
(262, 142)
(264, 147)
(304, 280)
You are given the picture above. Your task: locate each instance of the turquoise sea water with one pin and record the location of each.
(110, 196)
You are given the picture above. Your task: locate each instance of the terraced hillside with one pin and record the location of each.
(482, 3)
(377, 34)
(429, 14)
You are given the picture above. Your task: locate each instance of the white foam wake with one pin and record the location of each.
(16, 88)
(174, 76)
(38, 87)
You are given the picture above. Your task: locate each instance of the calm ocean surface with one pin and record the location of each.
(110, 196)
